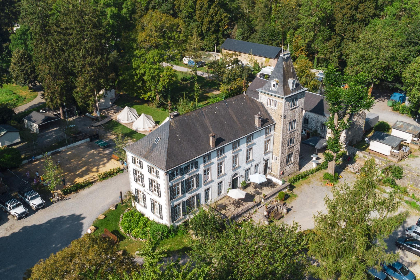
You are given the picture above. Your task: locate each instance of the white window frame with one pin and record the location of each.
(235, 161)
(235, 145)
(294, 102)
(292, 125)
(247, 173)
(272, 103)
(220, 152)
(291, 141)
(220, 168)
(220, 188)
(206, 175)
(289, 159)
(207, 195)
(267, 143)
(249, 139)
(177, 187)
(248, 154)
(207, 158)
(138, 177)
(177, 215)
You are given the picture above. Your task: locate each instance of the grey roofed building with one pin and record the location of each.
(284, 73)
(407, 127)
(252, 89)
(316, 103)
(187, 136)
(386, 139)
(251, 48)
(40, 118)
(4, 128)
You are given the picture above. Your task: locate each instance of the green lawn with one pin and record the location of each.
(118, 128)
(16, 95)
(158, 114)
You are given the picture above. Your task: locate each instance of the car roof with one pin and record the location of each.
(380, 274)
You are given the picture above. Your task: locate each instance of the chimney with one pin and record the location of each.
(258, 120)
(212, 140)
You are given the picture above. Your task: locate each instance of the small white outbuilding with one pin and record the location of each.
(127, 115)
(144, 123)
(404, 130)
(107, 98)
(384, 143)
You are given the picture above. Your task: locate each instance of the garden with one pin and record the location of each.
(133, 229)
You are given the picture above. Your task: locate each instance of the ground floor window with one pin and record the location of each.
(154, 186)
(247, 174)
(256, 168)
(156, 208)
(219, 188)
(138, 177)
(192, 203)
(140, 197)
(175, 191)
(207, 195)
(176, 212)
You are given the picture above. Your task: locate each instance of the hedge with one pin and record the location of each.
(306, 173)
(77, 186)
(111, 173)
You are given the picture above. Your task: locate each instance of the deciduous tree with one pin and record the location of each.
(53, 174)
(349, 238)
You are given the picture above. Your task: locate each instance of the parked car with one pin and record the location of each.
(13, 206)
(399, 271)
(373, 274)
(413, 231)
(198, 63)
(410, 244)
(32, 198)
(418, 222)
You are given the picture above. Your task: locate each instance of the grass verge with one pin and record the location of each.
(16, 95)
(118, 128)
(412, 204)
(158, 115)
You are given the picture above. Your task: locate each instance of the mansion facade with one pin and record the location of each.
(195, 158)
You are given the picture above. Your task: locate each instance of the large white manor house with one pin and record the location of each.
(195, 158)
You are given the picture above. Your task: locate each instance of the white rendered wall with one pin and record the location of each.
(404, 135)
(162, 180)
(380, 148)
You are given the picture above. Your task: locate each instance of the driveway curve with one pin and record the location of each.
(23, 243)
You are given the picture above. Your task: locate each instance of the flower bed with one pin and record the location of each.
(77, 186)
(111, 173)
(306, 173)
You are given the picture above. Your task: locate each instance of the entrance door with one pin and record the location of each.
(265, 166)
(235, 181)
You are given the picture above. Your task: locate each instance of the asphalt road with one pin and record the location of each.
(23, 243)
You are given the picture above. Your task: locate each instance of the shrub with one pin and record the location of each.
(243, 184)
(405, 109)
(328, 156)
(281, 196)
(389, 181)
(306, 173)
(206, 223)
(158, 231)
(396, 106)
(395, 171)
(382, 126)
(111, 173)
(329, 177)
(10, 158)
(77, 186)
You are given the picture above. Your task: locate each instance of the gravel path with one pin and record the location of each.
(185, 69)
(386, 114)
(23, 243)
(34, 103)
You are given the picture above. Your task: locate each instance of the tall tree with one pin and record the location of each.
(343, 103)
(9, 13)
(349, 238)
(53, 174)
(411, 79)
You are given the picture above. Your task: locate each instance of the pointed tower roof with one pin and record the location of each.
(283, 80)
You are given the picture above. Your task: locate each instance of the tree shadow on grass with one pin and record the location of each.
(23, 249)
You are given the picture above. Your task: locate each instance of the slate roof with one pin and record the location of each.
(40, 118)
(316, 103)
(407, 127)
(386, 139)
(285, 74)
(4, 128)
(252, 89)
(186, 137)
(251, 48)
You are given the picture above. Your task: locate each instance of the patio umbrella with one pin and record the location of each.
(236, 193)
(257, 178)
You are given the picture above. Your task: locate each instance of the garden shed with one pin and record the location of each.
(36, 121)
(8, 135)
(404, 130)
(384, 143)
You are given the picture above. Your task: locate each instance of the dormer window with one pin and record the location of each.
(274, 84)
(293, 84)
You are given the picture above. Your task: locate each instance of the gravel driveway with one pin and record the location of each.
(23, 243)
(386, 114)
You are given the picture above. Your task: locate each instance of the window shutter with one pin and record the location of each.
(183, 187)
(141, 164)
(144, 201)
(158, 189)
(133, 160)
(149, 169)
(197, 180)
(196, 164)
(160, 211)
(184, 209)
(181, 171)
(150, 185)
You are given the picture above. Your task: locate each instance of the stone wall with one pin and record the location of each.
(315, 122)
(248, 59)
